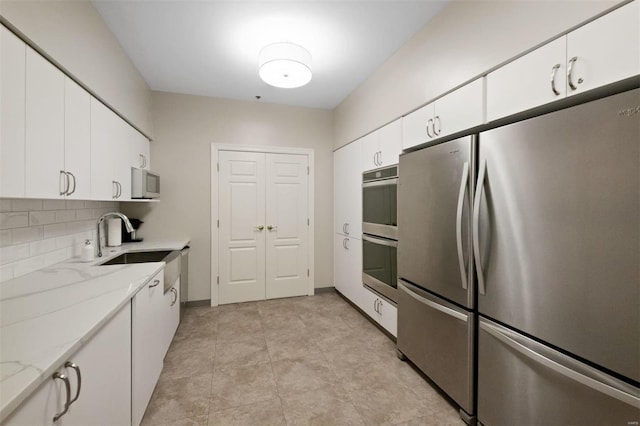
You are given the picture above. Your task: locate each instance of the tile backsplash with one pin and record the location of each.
(38, 233)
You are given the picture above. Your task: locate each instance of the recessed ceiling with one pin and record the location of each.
(211, 48)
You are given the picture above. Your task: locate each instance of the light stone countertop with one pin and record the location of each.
(47, 315)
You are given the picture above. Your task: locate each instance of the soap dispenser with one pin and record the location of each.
(87, 251)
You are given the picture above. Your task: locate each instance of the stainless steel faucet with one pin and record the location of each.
(125, 219)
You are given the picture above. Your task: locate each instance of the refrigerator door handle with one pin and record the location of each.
(476, 226)
(627, 396)
(463, 191)
(434, 305)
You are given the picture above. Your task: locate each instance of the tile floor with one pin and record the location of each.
(299, 361)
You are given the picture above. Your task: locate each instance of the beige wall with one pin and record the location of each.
(185, 127)
(74, 34)
(462, 42)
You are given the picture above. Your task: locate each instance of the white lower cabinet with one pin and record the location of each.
(379, 309)
(171, 317)
(147, 349)
(104, 390)
(347, 267)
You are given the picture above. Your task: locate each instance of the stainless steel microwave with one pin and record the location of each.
(144, 184)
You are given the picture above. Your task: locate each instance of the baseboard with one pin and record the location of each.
(319, 290)
(197, 303)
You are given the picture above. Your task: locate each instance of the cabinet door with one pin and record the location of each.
(12, 114)
(606, 50)
(140, 155)
(347, 187)
(103, 140)
(414, 126)
(380, 310)
(347, 253)
(146, 344)
(171, 315)
(370, 147)
(105, 366)
(44, 128)
(40, 408)
(122, 163)
(460, 110)
(390, 143)
(527, 82)
(77, 139)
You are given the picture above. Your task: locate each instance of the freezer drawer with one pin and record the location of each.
(524, 382)
(437, 337)
(557, 232)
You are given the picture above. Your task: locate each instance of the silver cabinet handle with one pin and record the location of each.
(463, 190)
(119, 189)
(114, 189)
(74, 183)
(429, 124)
(554, 70)
(63, 179)
(375, 305)
(65, 379)
(380, 158)
(346, 243)
(570, 73)
(272, 228)
(437, 132)
(476, 227)
(618, 391)
(175, 293)
(346, 228)
(73, 366)
(155, 283)
(258, 228)
(380, 307)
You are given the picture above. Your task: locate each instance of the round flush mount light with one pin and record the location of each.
(285, 65)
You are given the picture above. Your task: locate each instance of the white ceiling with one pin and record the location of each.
(211, 48)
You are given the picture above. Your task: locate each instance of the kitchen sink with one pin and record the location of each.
(138, 257)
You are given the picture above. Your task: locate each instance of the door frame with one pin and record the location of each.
(215, 155)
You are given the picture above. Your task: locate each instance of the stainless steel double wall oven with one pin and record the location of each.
(380, 231)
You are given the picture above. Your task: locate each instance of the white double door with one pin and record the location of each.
(264, 226)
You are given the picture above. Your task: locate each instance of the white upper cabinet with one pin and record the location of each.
(103, 146)
(532, 80)
(370, 150)
(605, 50)
(12, 114)
(601, 52)
(45, 176)
(382, 147)
(347, 189)
(459, 110)
(390, 143)
(77, 139)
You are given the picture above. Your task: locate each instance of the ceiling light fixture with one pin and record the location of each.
(285, 65)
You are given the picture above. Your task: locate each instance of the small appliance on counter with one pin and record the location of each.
(131, 237)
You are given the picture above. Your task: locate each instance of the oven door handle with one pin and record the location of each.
(380, 182)
(381, 241)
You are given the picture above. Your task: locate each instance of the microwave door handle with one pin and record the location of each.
(463, 190)
(381, 241)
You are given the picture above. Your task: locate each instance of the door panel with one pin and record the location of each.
(242, 213)
(287, 226)
(561, 202)
(429, 189)
(523, 382)
(77, 138)
(437, 337)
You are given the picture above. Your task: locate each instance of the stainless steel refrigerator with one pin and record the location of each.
(556, 236)
(544, 265)
(436, 319)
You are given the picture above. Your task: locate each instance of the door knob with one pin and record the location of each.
(259, 228)
(271, 228)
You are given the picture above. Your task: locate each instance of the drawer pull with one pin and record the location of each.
(73, 366)
(67, 386)
(175, 293)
